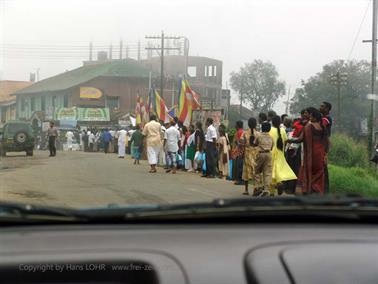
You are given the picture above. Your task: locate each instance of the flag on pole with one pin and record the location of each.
(138, 113)
(188, 101)
(157, 105)
(173, 111)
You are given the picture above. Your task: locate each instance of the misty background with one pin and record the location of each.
(298, 37)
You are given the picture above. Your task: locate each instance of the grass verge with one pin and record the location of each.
(353, 180)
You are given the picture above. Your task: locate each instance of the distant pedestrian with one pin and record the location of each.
(211, 149)
(237, 154)
(327, 121)
(122, 143)
(106, 138)
(53, 134)
(316, 146)
(152, 132)
(171, 144)
(91, 140)
(136, 144)
(85, 140)
(281, 170)
(250, 153)
(190, 149)
(223, 153)
(69, 137)
(199, 140)
(264, 143)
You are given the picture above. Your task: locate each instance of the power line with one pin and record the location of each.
(359, 30)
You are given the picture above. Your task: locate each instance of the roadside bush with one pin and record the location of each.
(353, 180)
(347, 152)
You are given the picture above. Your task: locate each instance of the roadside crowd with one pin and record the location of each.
(274, 155)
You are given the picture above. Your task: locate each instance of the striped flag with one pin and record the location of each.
(138, 115)
(188, 101)
(157, 105)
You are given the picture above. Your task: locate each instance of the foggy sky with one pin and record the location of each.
(298, 36)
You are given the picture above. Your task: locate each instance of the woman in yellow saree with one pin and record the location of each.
(281, 170)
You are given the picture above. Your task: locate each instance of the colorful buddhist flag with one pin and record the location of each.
(188, 101)
(138, 115)
(157, 105)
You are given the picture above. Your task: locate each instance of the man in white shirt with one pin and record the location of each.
(91, 140)
(171, 144)
(121, 143)
(211, 149)
(69, 137)
(152, 132)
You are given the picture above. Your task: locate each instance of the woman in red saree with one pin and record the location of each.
(315, 149)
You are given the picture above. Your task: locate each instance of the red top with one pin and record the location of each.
(239, 133)
(298, 126)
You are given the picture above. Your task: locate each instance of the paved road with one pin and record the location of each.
(78, 179)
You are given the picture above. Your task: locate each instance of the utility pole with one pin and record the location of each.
(373, 71)
(90, 51)
(162, 49)
(127, 51)
(186, 54)
(373, 42)
(339, 79)
(138, 51)
(120, 49)
(110, 52)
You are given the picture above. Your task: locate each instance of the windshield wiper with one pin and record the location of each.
(26, 213)
(309, 204)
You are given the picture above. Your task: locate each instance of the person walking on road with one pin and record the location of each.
(122, 143)
(152, 132)
(136, 144)
(171, 144)
(106, 138)
(69, 137)
(53, 134)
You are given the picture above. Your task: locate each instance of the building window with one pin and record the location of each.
(192, 71)
(214, 70)
(43, 103)
(53, 101)
(65, 101)
(112, 102)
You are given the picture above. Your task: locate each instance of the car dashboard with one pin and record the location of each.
(190, 253)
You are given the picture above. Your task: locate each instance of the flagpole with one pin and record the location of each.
(149, 81)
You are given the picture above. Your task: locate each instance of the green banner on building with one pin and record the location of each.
(66, 113)
(82, 114)
(93, 114)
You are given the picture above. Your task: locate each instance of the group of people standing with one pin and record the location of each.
(282, 155)
(276, 154)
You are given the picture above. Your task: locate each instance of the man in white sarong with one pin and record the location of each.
(121, 143)
(152, 131)
(69, 137)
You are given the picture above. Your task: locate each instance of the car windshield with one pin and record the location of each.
(142, 102)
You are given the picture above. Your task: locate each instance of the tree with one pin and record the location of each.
(257, 83)
(354, 106)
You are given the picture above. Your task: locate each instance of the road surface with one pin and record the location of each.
(78, 179)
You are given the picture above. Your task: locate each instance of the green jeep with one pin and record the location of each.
(17, 136)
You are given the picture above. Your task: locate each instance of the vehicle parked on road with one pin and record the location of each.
(17, 136)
